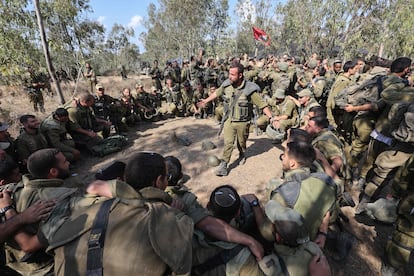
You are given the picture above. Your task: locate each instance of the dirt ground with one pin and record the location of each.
(261, 165)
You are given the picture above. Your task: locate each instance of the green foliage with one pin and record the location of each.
(178, 28)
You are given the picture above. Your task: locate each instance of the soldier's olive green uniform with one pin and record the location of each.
(287, 107)
(402, 183)
(283, 260)
(26, 193)
(392, 85)
(27, 143)
(401, 118)
(187, 96)
(251, 74)
(192, 207)
(341, 82)
(57, 136)
(304, 110)
(91, 76)
(35, 93)
(236, 127)
(311, 195)
(173, 100)
(318, 87)
(148, 236)
(401, 244)
(156, 75)
(330, 146)
(83, 117)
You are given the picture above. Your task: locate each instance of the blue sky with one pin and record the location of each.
(125, 12)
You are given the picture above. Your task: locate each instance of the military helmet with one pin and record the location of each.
(275, 134)
(207, 145)
(279, 93)
(213, 161)
(289, 224)
(283, 66)
(312, 63)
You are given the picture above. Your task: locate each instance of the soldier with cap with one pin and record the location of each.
(284, 111)
(240, 95)
(109, 108)
(304, 102)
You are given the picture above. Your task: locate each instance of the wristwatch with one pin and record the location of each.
(254, 203)
(5, 209)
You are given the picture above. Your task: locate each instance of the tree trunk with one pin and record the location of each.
(50, 67)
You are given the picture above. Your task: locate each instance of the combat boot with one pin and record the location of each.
(242, 158)
(222, 169)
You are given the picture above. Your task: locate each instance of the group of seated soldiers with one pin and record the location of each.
(144, 220)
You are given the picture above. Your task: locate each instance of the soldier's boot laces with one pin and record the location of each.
(222, 169)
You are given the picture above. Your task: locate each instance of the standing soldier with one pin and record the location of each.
(241, 95)
(156, 76)
(91, 76)
(34, 83)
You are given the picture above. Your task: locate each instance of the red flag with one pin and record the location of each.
(261, 36)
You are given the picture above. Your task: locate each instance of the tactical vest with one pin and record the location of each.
(241, 108)
(310, 194)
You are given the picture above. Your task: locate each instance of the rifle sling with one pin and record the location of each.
(97, 239)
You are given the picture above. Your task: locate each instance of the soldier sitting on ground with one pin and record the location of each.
(56, 133)
(29, 140)
(84, 127)
(131, 114)
(108, 108)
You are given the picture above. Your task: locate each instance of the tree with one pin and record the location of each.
(46, 51)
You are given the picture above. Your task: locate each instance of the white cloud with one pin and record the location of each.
(135, 21)
(101, 19)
